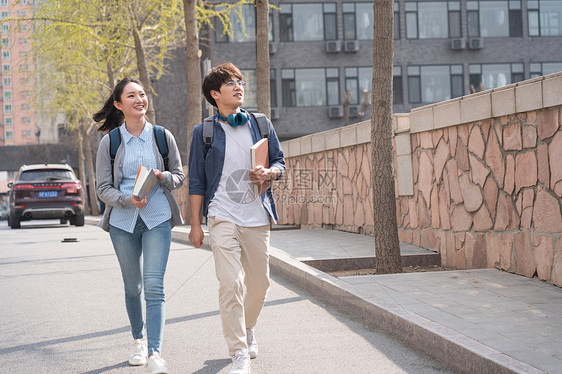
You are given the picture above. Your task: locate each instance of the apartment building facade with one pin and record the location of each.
(18, 118)
(442, 50)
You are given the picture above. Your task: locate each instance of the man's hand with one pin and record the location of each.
(139, 203)
(259, 174)
(196, 236)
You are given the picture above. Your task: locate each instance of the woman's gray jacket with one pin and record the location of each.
(108, 189)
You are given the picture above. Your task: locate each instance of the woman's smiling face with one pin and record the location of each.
(134, 102)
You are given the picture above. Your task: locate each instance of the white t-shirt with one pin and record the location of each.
(234, 199)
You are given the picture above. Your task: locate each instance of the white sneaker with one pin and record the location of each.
(240, 363)
(156, 365)
(252, 343)
(138, 353)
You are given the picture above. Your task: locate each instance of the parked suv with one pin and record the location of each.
(46, 191)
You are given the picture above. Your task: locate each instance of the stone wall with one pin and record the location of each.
(477, 179)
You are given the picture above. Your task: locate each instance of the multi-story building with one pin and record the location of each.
(442, 49)
(18, 122)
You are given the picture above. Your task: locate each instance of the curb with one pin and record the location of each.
(461, 352)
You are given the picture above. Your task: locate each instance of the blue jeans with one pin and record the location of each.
(155, 246)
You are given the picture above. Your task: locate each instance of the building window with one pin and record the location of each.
(26, 120)
(5, 42)
(25, 107)
(310, 87)
(7, 108)
(250, 89)
(4, 15)
(305, 22)
(7, 81)
(396, 21)
(9, 134)
(430, 84)
(5, 29)
(357, 80)
(487, 76)
(5, 55)
(7, 95)
(26, 133)
(9, 121)
(6, 68)
(3, 2)
(397, 95)
(498, 18)
(432, 20)
(545, 68)
(242, 27)
(545, 17)
(358, 21)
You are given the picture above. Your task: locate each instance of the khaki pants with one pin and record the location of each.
(241, 258)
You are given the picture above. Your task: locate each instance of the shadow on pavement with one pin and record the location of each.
(213, 366)
(123, 364)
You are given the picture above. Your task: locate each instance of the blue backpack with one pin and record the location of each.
(159, 135)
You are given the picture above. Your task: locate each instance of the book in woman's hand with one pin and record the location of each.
(146, 181)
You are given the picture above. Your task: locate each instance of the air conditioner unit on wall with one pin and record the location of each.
(333, 46)
(458, 43)
(274, 113)
(354, 111)
(335, 111)
(272, 48)
(351, 45)
(476, 43)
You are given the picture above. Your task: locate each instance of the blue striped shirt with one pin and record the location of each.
(139, 151)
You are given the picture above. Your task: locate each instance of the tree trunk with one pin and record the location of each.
(81, 172)
(110, 77)
(387, 245)
(364, 106)
(193, 74)
(345, 104)
(144, 77)
(91, 173)
(262, 57)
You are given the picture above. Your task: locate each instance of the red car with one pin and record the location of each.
(46, 191)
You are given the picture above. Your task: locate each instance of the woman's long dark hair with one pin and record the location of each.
(112, 116)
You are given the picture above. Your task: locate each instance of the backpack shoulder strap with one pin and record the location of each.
(208, 132)
(114, 142)
(162, 144)
(263, 126)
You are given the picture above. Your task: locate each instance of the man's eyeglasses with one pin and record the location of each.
(232, 83)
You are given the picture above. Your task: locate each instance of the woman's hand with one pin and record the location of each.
(139, 203)
(158, 174)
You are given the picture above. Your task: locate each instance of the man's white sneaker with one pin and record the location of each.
(138, 353)
(240, 363)
(156, 365)
(252, 343)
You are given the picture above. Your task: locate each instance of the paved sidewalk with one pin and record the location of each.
(479, 321)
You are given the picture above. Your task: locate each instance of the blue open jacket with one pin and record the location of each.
(205, 170)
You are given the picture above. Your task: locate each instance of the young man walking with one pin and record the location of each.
(221, 188)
